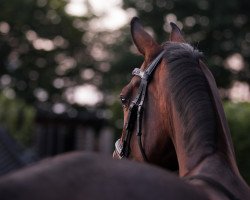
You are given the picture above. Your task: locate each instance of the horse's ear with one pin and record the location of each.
(143, 41)
(176, 35)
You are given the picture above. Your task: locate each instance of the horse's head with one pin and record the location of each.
(146, 104)
(171, 105)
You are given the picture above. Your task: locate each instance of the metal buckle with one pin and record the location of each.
(138, 72)
(118, 148)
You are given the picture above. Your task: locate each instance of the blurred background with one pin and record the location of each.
(63, 64)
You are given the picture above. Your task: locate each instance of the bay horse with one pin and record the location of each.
(79, 175)
(173, 117)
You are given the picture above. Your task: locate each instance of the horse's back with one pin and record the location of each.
(90, 176)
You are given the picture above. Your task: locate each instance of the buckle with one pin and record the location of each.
(118, 148)
(138, 72)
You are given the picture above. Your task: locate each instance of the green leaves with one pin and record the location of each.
(18, 119)
(238, 115)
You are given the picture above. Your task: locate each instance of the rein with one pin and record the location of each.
(215, 184)
(122, 148)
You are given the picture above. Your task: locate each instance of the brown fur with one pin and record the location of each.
(183, 113)
(78, 176)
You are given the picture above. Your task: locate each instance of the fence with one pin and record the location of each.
(57, 134)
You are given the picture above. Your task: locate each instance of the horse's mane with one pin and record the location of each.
(190, 95)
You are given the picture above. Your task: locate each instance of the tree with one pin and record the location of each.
(42, 52)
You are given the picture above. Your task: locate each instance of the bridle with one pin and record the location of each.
(122, 148)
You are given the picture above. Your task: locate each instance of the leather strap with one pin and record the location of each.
(136, 107)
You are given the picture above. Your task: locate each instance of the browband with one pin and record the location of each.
(149, 70)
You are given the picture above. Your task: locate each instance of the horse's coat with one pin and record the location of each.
(79, 176)
(183, 120)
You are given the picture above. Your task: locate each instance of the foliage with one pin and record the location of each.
(238, 115)
(41, 53)
(219, 28)
(18, 118)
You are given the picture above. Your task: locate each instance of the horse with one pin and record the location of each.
(174, 118)
(82, 175)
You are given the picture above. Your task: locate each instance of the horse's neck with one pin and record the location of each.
(201, 162)
(204, 160)
(191, 144)
(217, 166)
(218, 169)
